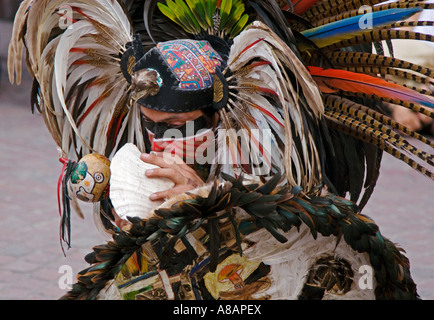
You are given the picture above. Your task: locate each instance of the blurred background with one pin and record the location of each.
(30, 253)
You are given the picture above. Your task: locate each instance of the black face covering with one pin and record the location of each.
(159, 128)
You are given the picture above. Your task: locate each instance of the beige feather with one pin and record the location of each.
(16, 45)
(301, 166)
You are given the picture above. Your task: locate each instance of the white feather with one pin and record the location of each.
(258, 41)
(66, 42)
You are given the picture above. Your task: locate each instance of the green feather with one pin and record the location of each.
(234, 17)
(287, 213)
(269, 225)
(199, 12)
(239, 26)
(181, 16)
(211, 6)
(168, 12)
(189, 15)
(225, 10)
(155, 235)
(270, 185)
(100, 266)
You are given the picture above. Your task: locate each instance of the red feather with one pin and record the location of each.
(249, 46)
(333, 80)
(259, 63)
(118, 127)
(82, 50)
(85, 114)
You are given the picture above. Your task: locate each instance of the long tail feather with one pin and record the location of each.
(339, 13)
(328, 8)
(16, 44)
(421, 81)
(368, 134)
(342, 58)
(331, 33)
(358, 112)
(410, 105)
(333, 80)
(380, 35)
(338, 103)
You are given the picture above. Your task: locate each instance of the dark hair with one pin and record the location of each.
(208, 114)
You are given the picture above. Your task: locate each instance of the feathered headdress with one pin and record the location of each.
(285, 75)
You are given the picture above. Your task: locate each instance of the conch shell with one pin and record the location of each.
(130, 188)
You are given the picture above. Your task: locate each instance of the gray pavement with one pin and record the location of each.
(30, 254)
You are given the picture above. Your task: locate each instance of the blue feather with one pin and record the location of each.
(347, 28)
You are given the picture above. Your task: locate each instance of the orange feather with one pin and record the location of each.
(333, 80)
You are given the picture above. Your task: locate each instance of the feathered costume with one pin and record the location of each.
(301, 74)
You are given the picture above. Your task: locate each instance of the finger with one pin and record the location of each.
(169, 156)
(154, 159)
(174, 158)
(424, 118)
(178, 177)
(166, 160)
(193, 179)
(162, 195)
(169, 173)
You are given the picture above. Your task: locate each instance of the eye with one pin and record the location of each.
(99, 177)
(145, 118)
(176, 125)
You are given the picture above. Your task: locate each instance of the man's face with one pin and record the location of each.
(183, 134)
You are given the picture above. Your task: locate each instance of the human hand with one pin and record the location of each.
(174, 168)
(406, 117)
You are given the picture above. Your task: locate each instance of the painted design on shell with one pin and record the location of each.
(89, 181)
